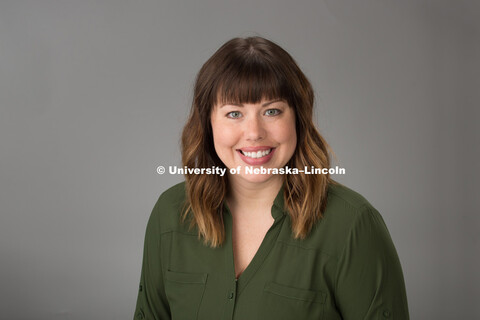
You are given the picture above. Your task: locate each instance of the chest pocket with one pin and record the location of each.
(184, 293)
(281, 302)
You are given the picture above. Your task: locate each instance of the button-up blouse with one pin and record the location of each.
(346, 268)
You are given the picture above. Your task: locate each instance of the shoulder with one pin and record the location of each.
(166, 213)
(173, 197)
(347, 214)
(346, 205)
(340, 192)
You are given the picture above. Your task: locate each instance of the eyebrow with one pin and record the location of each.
(241, 105)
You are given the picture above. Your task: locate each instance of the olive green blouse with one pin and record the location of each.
(347, 267)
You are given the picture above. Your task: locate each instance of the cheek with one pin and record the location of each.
(223, 135)
(287, 134)
(292, 142)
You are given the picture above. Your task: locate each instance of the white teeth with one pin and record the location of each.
(257, 154)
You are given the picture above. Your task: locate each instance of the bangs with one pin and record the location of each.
(249, 81)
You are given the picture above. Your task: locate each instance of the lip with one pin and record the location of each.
(256, 161)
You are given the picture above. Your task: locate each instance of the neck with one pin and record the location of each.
(252, 196)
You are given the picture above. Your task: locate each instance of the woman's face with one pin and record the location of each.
(255, 135)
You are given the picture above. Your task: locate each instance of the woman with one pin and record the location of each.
(266, 245)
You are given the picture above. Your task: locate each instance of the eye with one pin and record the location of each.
(234, 115)
(272, 112)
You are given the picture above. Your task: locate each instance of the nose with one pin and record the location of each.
(254, 129)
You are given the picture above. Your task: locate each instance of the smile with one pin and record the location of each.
(257, 154)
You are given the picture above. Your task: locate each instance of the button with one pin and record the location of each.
(386, 314)
(141, 288)
(230, 295)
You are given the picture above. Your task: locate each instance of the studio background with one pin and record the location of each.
(94, 94)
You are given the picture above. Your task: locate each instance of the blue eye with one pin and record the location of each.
(272, 112)
(234, 114)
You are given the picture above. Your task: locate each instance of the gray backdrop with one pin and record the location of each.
(93, 96)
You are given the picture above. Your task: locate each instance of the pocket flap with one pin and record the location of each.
(184, 277)
(295, 293)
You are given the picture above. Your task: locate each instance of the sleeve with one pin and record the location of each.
(369, 278)
(152, 302)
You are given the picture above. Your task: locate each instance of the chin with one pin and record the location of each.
(257, 178)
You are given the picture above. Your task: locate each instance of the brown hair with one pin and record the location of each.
(247, 70)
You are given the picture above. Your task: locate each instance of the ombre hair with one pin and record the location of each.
(247, 70)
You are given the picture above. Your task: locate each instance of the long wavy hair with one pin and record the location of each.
(247, 70)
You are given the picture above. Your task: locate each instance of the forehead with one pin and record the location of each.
(240, 97)
(245, 96)
(249, 88)
(263, 103)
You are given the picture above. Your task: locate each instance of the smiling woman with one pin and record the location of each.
(265, 245)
